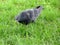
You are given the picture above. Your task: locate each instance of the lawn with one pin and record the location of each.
(45, 30)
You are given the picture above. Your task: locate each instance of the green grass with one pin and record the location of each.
(45, 31)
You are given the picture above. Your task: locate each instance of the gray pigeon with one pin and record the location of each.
(29, 15)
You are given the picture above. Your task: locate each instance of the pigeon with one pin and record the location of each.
(29, 15)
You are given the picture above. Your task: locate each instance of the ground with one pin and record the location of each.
(45, 30)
